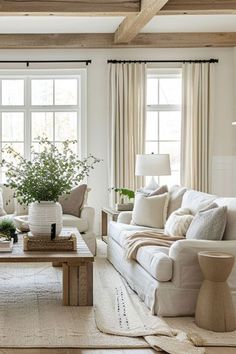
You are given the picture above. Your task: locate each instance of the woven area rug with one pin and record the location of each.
(32, 316)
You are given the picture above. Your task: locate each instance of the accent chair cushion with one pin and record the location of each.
(73, 202)
(208, 224)
(178, 222)
(150, 211)
(74, 221)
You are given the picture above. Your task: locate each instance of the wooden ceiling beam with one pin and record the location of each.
(142, 40)
(198, 7)
(112, 7)
(132, 25)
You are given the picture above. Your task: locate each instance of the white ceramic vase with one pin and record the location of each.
(41, 217)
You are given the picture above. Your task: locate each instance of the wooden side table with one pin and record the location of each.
(215, 309)
(108, 213)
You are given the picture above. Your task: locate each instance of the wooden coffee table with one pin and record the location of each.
(77, 268)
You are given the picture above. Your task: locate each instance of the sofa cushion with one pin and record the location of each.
(118, 231)
(208, 224)
(178, 222)
(74, 221)
(155, 261)
(150, 211)
(175, 198)
(196, 201)
(160, 190)
(230, 230)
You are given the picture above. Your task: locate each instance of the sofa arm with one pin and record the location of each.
(125, 217)
(88, 214)
(186, 270)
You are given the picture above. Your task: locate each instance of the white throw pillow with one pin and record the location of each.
(150, 211)
(2, 211)
(178, 222)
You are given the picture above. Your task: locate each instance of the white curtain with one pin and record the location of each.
(127, 107)
(196, 121)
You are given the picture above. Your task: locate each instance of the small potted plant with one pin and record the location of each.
(126, 196)
(39, 182)
(8, 230)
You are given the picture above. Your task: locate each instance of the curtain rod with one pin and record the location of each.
(27, 62)
(163, 61)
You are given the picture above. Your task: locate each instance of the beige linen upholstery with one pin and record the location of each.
(72, 203)
(175, 199)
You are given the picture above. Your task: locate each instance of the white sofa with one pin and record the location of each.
(168, 279)
(85, 224)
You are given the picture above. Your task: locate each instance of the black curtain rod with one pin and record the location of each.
(163, 61)
(27, 62)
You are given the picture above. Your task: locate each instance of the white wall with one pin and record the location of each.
(225, 107)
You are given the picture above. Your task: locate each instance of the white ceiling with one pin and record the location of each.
(192, 23)
(58, 24)
(73, 24)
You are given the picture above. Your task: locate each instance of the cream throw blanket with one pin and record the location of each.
(134, 241)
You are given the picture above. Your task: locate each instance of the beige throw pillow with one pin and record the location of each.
(159, 190)
(178, 222)
(150, 211)
(73, 202)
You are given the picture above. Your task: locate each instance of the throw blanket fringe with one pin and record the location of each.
(136, 240)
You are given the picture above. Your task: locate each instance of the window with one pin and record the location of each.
(38, 104)
(163, 122)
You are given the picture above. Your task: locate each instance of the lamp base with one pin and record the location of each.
(152, 185)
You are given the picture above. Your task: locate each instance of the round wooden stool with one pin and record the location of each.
(215, 310)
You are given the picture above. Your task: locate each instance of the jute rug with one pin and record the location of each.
(31, 315)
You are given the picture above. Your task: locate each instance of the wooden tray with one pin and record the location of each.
(44, 244)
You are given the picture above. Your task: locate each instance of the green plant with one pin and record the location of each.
(124, 192)
(49, 174)
(7, 228)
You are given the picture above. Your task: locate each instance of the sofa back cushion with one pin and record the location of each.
(230, 230)
(175, 198)
(150, 211)
(196, 201)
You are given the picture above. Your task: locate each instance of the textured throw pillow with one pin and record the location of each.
(176, 196)
(2, 211)
(73, 202)
(159, 190)
(150, 211)
(208, 225)
(178, 222)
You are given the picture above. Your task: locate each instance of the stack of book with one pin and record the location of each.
(5, 245)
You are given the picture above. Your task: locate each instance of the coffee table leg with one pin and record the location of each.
(78, 284)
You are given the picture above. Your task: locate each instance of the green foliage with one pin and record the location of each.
(124, 192)
(7, 228)
(48, 175)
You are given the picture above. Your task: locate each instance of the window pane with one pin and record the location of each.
(172, 148)
(170, 125)
(151, 147)
(65, 126)
(170, 91)
(13, 92)
(42, 125)
(66, 92)
(12, 126)
(170, 180)
(152, 91)
(18, 147)
(73, 147)
(152, 126)
(42, 92)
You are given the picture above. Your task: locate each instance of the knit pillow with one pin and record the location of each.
(178, 222)
(208, 225)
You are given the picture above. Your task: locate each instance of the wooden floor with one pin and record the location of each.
(212, 350)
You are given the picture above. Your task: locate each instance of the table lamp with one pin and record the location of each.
(152, 165)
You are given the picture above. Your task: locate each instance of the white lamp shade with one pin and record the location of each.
(152, 165)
